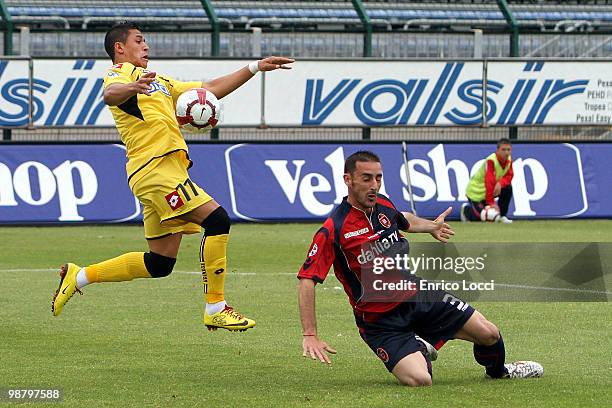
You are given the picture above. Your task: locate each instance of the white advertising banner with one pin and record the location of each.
(549, 93)
(69, 92)
(14, 92)
(374, 93)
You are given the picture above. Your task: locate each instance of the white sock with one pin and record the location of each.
(81, 279)
(212, 308)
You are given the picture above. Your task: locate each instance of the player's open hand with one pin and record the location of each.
(272, 63)
(317, 349)
(143, 85)
(443, 232)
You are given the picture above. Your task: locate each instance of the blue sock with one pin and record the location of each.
(492, 357)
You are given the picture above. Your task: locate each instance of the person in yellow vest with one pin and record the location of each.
(493, 179)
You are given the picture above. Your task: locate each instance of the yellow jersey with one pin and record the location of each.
(147, 124)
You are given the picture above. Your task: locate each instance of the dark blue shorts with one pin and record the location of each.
(391, 336)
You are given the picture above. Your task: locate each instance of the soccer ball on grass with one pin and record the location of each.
(489, 213)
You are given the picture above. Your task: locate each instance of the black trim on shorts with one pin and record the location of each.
(159, 157)
(180, 215)
(312, 278)
(161, 236)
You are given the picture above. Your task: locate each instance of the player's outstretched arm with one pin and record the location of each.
(116, 94)
(438, 229)
(227, 84)
(312, 345)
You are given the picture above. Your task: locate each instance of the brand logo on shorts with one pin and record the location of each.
(382, 354)
(174, 200)
(313, 250)
(384, 220)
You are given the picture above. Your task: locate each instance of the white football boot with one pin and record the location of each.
(523, 369)
(505, 220)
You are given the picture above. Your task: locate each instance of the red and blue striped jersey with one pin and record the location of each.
(349, 239)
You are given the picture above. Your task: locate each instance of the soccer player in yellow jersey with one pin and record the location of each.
(142, 103)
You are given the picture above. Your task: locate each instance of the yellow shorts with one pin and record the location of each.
(167, 192)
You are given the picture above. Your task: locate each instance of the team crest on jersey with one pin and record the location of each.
(382, 354)
(174, 200)
(384, 220)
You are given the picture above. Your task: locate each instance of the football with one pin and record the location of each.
(198, 110)
(489, 214)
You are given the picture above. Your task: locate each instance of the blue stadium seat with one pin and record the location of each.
(235, 13)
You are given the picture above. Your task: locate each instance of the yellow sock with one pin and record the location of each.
(213, 262)
(122, 268)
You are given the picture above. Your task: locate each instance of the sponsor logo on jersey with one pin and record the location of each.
(356, 233)
(378, 248)
(156, 86)
(112, 74)
(174, 200)
(384, 220)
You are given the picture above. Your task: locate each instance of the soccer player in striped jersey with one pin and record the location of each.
(404, 328)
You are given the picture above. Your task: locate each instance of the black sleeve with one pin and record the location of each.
(402, 222)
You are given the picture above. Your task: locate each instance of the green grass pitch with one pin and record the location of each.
(142, 343)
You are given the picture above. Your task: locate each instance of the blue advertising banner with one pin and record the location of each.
(281, 182)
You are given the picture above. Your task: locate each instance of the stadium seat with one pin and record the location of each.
(304, 32)
(308, 9)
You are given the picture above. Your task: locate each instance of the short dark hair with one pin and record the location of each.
(503, 141)
(118, 33)
(350, 164)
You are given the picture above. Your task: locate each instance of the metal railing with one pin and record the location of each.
(217, 25)
(8, 47)
(330, 134)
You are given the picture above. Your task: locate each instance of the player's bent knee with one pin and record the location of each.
(413, 371)
(217, 223)
(489, 333)
(157, 265)
(415, 379)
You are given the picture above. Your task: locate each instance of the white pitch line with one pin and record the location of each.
(508, 285)
(176, 271)
(29, 270)
(243, 273)
(596, 292)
